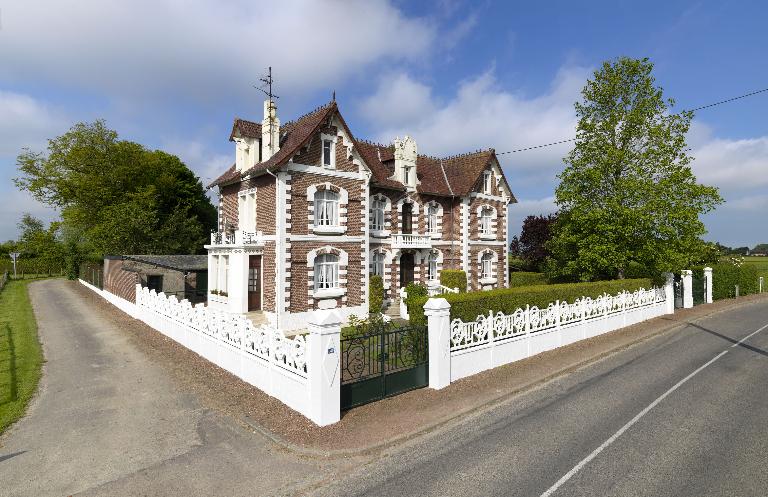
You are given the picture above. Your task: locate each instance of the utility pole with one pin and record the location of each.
(14, 256)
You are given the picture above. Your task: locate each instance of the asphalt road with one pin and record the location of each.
(684, 414)
(107, 421)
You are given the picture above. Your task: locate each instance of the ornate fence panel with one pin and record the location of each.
(531, 320)
(264, 342)
(380, 361)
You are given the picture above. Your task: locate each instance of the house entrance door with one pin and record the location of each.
(254, 283)
(406, 269)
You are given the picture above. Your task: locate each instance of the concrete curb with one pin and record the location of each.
(459, 416)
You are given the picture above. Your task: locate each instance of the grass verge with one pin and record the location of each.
(21, 355)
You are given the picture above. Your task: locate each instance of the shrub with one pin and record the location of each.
(467, 306)
(526, 278)
(375, 294)
(454, 278)
(415, 291)
(726, 276)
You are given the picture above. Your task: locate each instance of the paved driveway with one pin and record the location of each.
(107, 421)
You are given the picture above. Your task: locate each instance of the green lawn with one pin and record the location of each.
(20, 353)
(761, 264)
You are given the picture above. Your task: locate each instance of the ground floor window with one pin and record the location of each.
(377, 264)
(487, 265)
(432, 266)
(326, 271)
(155, 282)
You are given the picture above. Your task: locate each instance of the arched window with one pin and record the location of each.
(377, 214)
(326, 272)
(432, 213)
(486, 221)
(486, 265)
(326, 208)
(377, 264)
(432, 266)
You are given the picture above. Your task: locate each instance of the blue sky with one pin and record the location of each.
(456, 75)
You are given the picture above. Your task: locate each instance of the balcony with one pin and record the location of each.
(221, 239)
(411, 241)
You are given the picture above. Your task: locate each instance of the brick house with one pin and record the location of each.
(308, 212)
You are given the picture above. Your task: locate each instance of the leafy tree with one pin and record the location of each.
(531, 246)
(627, 194)
(761, 248)
(116, 196)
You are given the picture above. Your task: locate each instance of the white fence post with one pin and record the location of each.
(708, 285)
(438, 312)
(324, 367)
(669, 293)
(687, 277)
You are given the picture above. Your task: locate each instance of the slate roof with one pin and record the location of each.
(176, 262)
(462, 172)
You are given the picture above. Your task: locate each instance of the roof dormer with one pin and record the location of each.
(405, 161)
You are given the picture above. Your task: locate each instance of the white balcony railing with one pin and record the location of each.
(237, 238)
(402, 240)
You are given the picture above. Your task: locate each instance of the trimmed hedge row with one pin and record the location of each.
(467, 306)
(454, 278)
(527, 278)
(726, 276)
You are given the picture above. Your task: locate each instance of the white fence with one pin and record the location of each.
(301, 372)
(459, 349)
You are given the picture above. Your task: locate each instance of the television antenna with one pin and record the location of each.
(266, 88)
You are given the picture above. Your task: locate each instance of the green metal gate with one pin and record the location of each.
(382, 361)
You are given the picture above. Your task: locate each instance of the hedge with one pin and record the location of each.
(726, 276)
(454, 278)
(527, 278)
(467, 306)
(375, 294)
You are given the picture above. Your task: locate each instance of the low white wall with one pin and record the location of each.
(260, 355)
(469, 361)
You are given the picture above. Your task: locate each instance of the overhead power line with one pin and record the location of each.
(691, 110)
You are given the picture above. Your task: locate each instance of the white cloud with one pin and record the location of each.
(732, 164)
(25, 122)
(208, 165)
(398, 99)
(483, 114)
(203, 48)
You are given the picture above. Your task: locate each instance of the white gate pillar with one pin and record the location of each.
(687, 277)
(438, 312)
(669, 293)
(708, 285)
(324, 367)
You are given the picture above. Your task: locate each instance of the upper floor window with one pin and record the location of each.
(326, 208)
(432, 266)
(377, 264)
(487, 182)
(432, 214)
(329, 151)
(486, 266)
(247, 211)
(377, 214)
(407, 175)
(326, 272)
(486, 221)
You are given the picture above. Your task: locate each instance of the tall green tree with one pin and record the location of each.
(627, 196)
(116, 196)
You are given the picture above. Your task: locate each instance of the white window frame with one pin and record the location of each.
(247, 210)
(432, 259)
(487, 182)
(486, 221)
(378, 263)
(326, 209)
(378, 208)
(326, 271)
(433, 212)
(487, 261)
(330, 140)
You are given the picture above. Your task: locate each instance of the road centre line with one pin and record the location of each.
(639, 415)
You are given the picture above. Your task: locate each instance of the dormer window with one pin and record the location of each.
(487, 182)
(407, 175)
(329, 152)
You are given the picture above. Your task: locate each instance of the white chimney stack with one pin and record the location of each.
(270, 131)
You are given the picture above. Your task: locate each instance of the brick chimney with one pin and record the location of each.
(270, 131)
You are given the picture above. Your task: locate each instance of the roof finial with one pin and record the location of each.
(334, 96)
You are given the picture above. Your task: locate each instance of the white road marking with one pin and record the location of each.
(639, 415)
